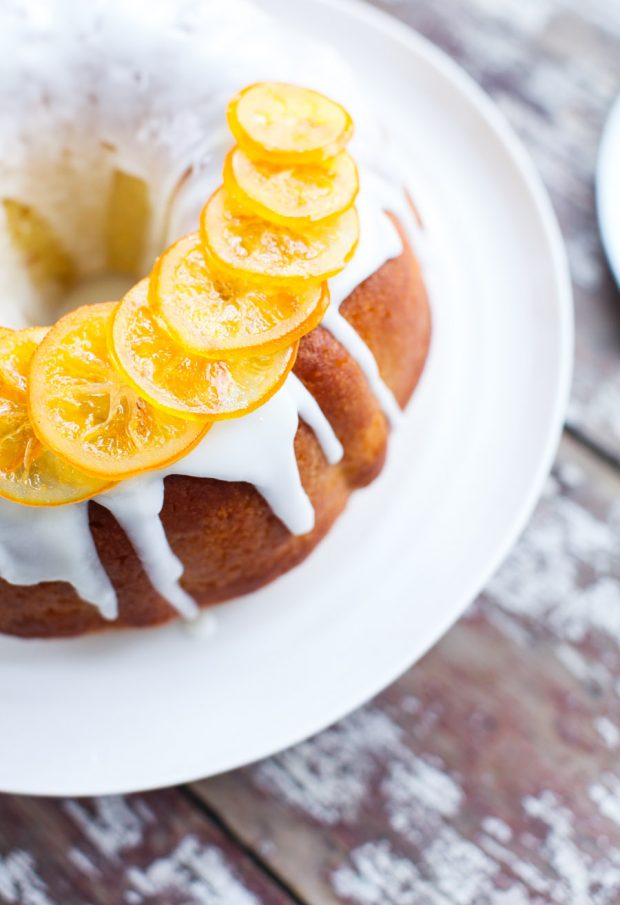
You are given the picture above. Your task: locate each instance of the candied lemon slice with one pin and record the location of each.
(292, 195)
(253, 249)
(29, 472)
(177, 381)
(284, 123)
(219, 316)
(82, 409)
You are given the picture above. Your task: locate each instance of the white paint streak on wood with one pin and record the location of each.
(19, 881)
(605, 793)
(571, 474)
(562, 573)
(417, 795)
(465, 873)
(83, 863)
(116, 825)
(588, 672)
(526, 16)
(454, 870)
(193, 873)
(602, 405)
(533, 878)
(508, 626)
(497, 828)
(608, 731)
(327, 776)
(410, 704)
(581, 879)
(377, 875)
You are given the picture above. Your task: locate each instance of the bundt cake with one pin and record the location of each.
(197, 436)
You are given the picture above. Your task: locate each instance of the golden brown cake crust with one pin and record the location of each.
(225, 533)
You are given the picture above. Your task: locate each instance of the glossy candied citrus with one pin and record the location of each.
(178, 381)
(294, 194)
(82, 409)
(219, 316)
(29, 472)
(249, 247)
(285, 123)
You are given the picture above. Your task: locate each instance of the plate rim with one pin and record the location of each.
(396, 30)
(609, 141)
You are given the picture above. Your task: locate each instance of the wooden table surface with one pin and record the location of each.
(490, 773)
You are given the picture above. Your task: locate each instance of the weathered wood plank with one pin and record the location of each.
(488, 775)
(553, 67)
(134, 850)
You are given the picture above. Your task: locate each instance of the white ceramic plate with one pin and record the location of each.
(608, 189)
(134, 711)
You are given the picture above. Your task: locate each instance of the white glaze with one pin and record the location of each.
(258, 449)
(204, 626)
(39, 544)
(54, 545)
(140, 87)
(136, 508)
(342, 330)
(310, 412)
(169, 119)
(379, 242)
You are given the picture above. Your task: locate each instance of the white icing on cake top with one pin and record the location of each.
(54, 545)
(144, 88)
(41, 544)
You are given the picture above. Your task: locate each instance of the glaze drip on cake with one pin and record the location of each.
(257, 448)
(55, 544)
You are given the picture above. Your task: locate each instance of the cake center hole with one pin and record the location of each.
(104, 287)
(57, 261)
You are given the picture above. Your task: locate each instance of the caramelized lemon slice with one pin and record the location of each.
(177, 381)
(287, 124)
(293, 195)
(82, 409)
(219, 316)
(253, 249)
(30, 473)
